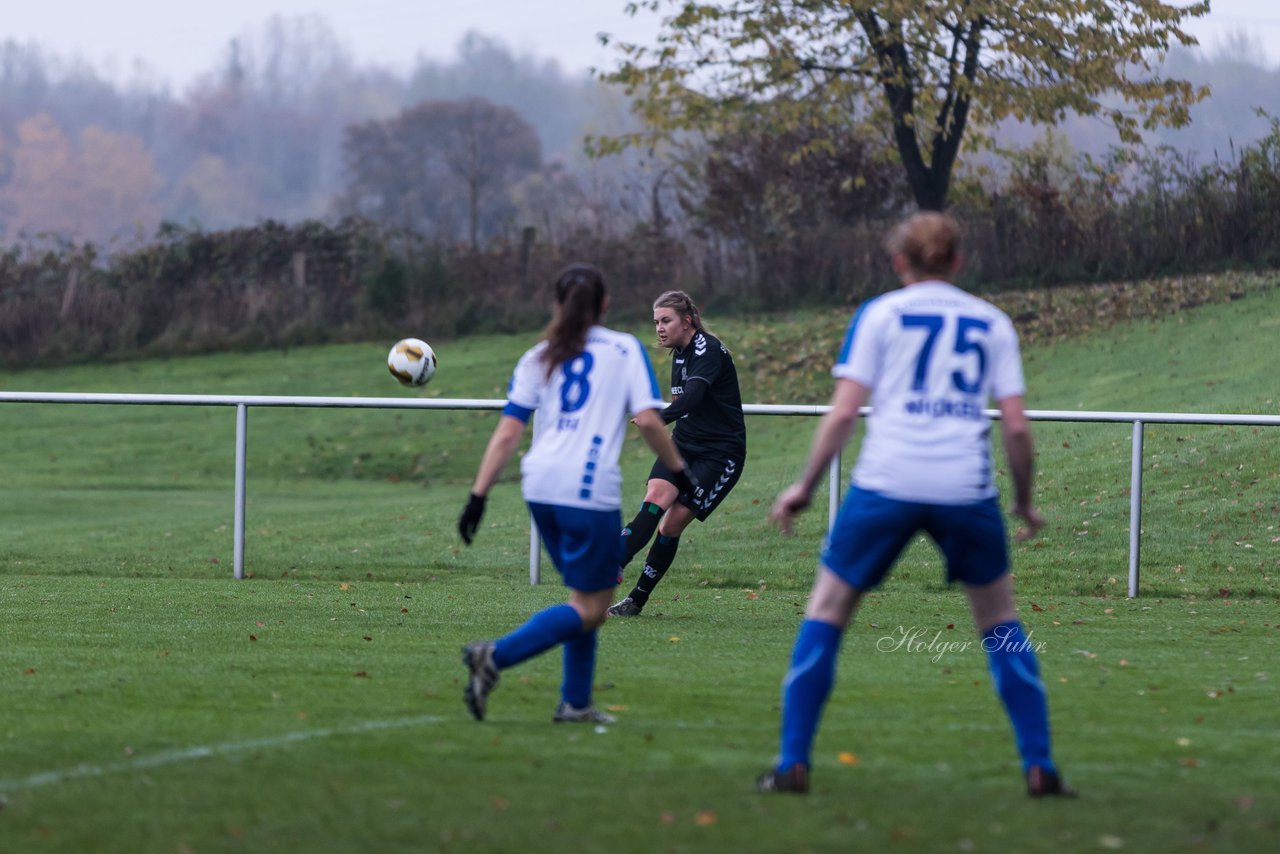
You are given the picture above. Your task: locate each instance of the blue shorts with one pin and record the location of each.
(583, 544)
(871, 531)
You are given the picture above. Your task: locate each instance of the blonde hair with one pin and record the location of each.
(683, 305)
(928, 241)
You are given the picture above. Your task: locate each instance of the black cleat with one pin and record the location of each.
(1042, 783)
(478, 657)
(626, 608)
(794, 779)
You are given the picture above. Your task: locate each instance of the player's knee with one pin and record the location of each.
(675, 520)
(832, 600)
(661, 492)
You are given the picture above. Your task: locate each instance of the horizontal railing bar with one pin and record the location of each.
(495, 404)
(250, 400)
(242, 402)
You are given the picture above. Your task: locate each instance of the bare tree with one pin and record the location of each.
(438, 156)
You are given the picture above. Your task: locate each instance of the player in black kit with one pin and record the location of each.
(710, 432)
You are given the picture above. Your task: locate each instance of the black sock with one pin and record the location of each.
(641, 529)
(655, 566)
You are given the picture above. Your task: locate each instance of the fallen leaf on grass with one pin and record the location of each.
(706, 818)
(847, 758)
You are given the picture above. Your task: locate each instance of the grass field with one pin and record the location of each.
(151, 703)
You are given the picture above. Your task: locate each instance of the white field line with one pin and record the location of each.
(229, 748)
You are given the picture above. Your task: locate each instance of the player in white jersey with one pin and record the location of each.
(928, 357)
(584, 382)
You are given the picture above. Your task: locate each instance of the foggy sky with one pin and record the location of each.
(178, 41)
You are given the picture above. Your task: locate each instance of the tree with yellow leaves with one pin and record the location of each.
(924, 71)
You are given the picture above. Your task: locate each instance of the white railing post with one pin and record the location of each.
(237, 534)
(535, 552)
(1135, 509)
(833, 492)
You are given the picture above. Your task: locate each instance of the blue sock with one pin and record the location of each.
(542, 631)
(806, 688)
(579, 669)
(1016, 675)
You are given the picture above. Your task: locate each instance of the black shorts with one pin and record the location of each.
(716, 472)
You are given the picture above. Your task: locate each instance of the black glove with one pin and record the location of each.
(469, 521)
(686, 482)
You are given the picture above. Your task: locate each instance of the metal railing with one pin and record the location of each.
(242, 403)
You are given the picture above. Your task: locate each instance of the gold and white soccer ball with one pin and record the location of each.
(412, 362)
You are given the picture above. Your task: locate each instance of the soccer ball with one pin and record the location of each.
(412, 362)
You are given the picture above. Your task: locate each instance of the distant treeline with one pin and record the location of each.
(768, 238)
(288, 126)
(258, 136)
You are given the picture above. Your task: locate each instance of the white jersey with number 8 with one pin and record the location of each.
(582, 413)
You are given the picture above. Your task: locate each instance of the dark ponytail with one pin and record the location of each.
(579, 304)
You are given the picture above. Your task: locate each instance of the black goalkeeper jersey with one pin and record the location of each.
(706, 404)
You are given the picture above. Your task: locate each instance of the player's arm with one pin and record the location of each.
(704, 371)
(695, 389)
(1019, 450)
(833, 433)
(502, 445)
(654, 431)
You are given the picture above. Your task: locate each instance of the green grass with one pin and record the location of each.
(153, 704)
